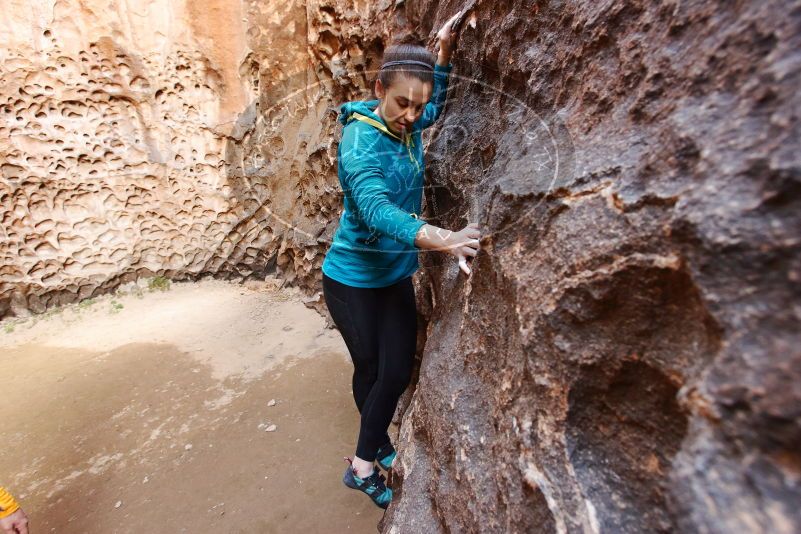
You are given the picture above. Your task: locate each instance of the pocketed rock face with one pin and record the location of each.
(163, 138)
(113, 123)
(304, 61)
(625, 356)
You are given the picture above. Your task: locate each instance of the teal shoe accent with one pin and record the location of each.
(386, 456)
(373, 486)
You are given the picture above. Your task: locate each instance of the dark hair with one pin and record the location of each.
(407, 49)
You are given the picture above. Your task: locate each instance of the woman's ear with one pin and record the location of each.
(379, 89)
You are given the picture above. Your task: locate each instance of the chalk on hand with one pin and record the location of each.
(463, 265)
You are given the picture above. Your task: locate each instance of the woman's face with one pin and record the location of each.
(402, 102)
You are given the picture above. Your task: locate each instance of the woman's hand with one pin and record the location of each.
(447, 40)
(463, 244)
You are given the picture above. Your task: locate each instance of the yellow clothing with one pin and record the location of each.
(7, 504)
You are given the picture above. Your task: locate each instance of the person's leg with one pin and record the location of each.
(355, 311)
(397, 333)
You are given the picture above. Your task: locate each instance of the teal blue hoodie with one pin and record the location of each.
(382, 177)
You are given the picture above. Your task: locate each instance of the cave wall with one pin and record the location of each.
(285, 162)
(171, 137)
(113, 122)
(624, 357)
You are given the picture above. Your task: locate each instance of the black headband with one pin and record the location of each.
(406, 62)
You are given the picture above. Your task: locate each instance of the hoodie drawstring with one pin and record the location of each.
(408, 142)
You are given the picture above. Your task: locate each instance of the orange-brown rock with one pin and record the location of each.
(166, 137)
(625, 356)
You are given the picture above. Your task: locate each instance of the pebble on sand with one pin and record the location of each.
(270, 428)
(188, 447)
(271, 403)
(118, 504)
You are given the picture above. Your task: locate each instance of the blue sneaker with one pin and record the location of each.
(373, 486)
(386, 456)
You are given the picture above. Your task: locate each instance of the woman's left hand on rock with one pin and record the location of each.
(447, 38)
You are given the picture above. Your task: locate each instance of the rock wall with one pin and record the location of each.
(625, 356)
(113, 123)
(169, 137)
(284, 162)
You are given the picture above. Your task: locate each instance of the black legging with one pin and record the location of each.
(379, 326)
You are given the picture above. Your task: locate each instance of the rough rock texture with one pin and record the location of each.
(113, 123)
(166, 137)
(625, 357)
(284, 160)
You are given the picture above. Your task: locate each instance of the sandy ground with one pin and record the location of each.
(149, 413)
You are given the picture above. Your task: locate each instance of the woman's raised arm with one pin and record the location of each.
(442, 69)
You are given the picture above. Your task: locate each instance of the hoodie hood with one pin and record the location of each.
(364, 107)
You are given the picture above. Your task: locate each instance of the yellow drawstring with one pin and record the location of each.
(408, 141)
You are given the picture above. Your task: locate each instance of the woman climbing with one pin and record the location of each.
(367, 272)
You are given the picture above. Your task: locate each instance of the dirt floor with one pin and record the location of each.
(153, 412)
